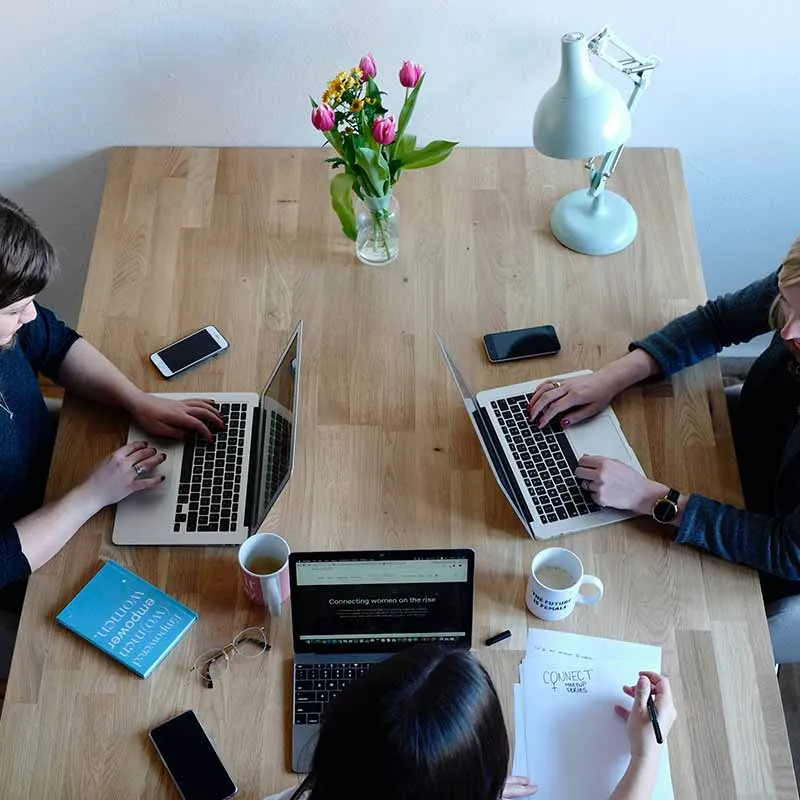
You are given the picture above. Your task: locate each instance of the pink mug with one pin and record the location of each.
(264, 564)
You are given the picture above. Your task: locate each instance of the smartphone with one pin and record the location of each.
(191, 759)
(524, 343)
(189, 351)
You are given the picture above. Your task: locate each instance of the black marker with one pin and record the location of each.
(651, 708)
(498, 638)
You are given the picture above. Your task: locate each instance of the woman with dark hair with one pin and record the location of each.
(33, 341)
(427, 723)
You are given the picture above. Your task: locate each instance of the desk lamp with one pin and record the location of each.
(579, 117)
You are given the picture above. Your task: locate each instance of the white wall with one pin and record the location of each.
(79, 76)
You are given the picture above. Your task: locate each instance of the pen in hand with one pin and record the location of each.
(651, 709)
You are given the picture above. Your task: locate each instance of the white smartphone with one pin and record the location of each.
(191, 759)
(189, 351)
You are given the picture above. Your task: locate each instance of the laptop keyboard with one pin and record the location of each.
(211, 477)
(546, 461)
(317, 685)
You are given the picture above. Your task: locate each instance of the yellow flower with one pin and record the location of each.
(369, 101)
(357, 105)
(328, 97)
(341, 77)
(351, 82)
(357, 74)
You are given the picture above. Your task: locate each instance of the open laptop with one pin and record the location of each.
(535, 468)
(353, 609)
(219, 492)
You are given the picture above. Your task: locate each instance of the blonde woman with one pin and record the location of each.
(766, 534)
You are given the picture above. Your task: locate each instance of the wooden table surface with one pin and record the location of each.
(386, 456)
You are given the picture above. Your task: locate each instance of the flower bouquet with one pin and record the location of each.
(373, 149)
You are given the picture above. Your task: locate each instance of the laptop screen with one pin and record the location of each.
(277, 432)
(381, 601)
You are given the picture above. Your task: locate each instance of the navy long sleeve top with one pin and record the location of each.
(26, 438)
(766, 535)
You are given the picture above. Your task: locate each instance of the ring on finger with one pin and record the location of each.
(585, 486)
(555, 384)
(139, 470)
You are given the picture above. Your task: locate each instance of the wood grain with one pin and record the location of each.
(245, 239)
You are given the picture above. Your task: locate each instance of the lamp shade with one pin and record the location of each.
(579, 116)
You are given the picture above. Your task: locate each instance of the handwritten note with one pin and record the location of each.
(569, 739)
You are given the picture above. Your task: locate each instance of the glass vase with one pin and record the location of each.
(378, 229)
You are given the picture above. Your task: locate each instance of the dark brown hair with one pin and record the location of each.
(27, 259)
(425, 724)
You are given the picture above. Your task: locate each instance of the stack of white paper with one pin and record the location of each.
(569, 740)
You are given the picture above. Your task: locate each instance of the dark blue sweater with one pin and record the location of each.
(766, 431)
(26, 440)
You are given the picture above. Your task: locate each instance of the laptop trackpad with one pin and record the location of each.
(599, 437)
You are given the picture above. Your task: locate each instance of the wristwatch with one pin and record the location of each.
(665, 509)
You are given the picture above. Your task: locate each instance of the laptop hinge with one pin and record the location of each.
(254, 469)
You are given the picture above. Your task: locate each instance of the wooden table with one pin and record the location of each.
(386, 456)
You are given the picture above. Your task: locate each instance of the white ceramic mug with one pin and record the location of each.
(555, 583)
(264, 565)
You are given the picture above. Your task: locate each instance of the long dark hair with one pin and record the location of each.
(27, 259)
(424, 724)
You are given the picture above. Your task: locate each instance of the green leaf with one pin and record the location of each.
(375, 168)
(408, 106)
(427, 156)
(335, 138)
(342, 202)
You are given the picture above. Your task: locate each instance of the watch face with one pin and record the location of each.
(665, 510)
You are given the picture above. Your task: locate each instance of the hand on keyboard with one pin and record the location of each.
(175, 419)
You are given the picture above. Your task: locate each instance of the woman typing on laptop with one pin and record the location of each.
(33, 340)
(427, 723)
(765, 535)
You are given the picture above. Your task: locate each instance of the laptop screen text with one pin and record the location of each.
(362, 604)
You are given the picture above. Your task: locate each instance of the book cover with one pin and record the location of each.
(128, 618)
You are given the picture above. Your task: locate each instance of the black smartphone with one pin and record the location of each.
(524, 343)
(189, 351)
(191, 760)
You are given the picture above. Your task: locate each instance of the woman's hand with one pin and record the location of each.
(118, 475)
(586, 394)
(612, 483)
(640, 729)
(173, 419)
(518, 786)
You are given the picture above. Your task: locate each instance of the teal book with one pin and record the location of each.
(128, 618)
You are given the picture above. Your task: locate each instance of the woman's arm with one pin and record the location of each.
(45, 531)
(730, 319)
(87, 372)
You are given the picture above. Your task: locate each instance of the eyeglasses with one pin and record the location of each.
(213, 664)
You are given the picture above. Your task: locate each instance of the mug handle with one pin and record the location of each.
(273, 598)
(590, 580)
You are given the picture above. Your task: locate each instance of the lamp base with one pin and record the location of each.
(595, 226)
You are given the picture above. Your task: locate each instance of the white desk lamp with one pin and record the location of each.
(579, 117)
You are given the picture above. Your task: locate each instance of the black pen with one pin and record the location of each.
(498, 638)
(651, 708)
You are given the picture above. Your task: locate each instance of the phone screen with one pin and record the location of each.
(191, 759)
(524, 343)
(189, 350)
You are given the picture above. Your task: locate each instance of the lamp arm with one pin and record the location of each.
(638, 69)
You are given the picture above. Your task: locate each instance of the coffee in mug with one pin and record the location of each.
(555, 583)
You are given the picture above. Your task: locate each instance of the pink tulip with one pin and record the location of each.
(323, 118)
(368, 67)
(410, 73)
(384, 130)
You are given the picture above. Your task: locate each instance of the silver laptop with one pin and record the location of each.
(351, 610)
(535, 468)
(219, 492)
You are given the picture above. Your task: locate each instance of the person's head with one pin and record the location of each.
(425, 723)
(27, 262)
(785, 311)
